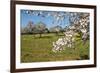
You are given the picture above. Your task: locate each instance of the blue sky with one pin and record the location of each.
(49, 20)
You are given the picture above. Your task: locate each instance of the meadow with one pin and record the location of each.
(36, 49)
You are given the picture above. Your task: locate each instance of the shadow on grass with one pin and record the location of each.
(84, 57)
(43, 37)
(61, 35)
(47, 36)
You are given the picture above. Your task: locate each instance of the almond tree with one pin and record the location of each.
(40, 28)
(28, 29)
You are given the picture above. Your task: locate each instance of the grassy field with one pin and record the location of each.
(35, 49)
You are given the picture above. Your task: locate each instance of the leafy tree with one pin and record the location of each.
(56, 29)
(40, 28)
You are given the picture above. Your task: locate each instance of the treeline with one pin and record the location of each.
(41, 28)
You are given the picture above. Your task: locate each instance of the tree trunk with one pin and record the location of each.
(40, 35)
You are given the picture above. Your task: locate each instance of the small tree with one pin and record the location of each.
(30, 27)
(24, 30)
(56, 29)
(40, 28)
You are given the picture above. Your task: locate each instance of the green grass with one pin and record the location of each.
(35, 49)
